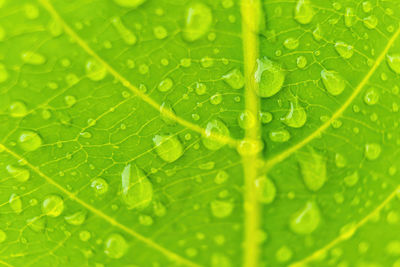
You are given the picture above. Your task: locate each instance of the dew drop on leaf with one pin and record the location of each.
(221, 208)
(394, 62)
(115, 246)
(20, 174)
(265, 190)
(70, 100)
(291, 43)
(127, 35)
(221, 177)
(18, 109)
(370, 22)
(349, 17)
(100, 186)
(214, 127)
(136, 189)
(249, 147)
(198, 21)
(333, 82)
(29, 141)
(344, 50)
(76, 218)
(165, 85)
(351, 180)
(53, 206)
(3, 73)
(3, 236)
(145, 220)
(246, 119)
(265, 117)
(95, 70)
(37, 223)
(372, 151)
(312, 168)
(306, 220)
(283, 254)
(301, 62)
(15, 203)
(159, 209)
(371, 96)
(166, 108)
(33, 58)
(160, 32)
(279, 136)
(129, 3)
(269, 77)
(200, 88)
(297, 116)
(84, 235)
(234, 79)
(168, 148)
(303, 12)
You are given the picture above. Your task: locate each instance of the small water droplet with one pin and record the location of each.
(160, 32)
(100, 186)
(372, 151)
(279, 136)
(394, 62)
(215, 127)
(301, 62)
(15, 203)
(313, 168)
(352, 179)
(221, 208)
(306, 220)
(246, 120)
(33, 58)
(29, 141)
(371, 97)
(334, 83)
(95, 70)
(303, 12)
(165, 85)
(265, 117)
(370, 22)
(166, 108)
(53, 206)
(234, 79)
(200, 88)
(344, 50)
(265, 190)
(291, 43)
(250, 147)
(127, 35)
(115, 246)
(37, 223)
(297, 116)
(70, 100)
(168, 148)
(137, 190)
(283, 254)
(349, 17)
(3, 73)
(20, 174)
(3, 236)
(269, 76)
(18, 109)
(198, 21)
(129, 3)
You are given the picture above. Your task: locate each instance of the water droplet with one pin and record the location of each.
(306, 220)
(313, 168)
(371, 96)
(303, 12)
(351, 180)
(33, 58)
(115, 246)
(216, 99)
(128, 36)
(20, 174)
(234, 79)
(168, 148)
(100, 186)
(349, 17)
(296, 117)
(160, 32)
(279, 136)
(37, 223)
(372, 151)
(344, 50)
(53, 206)
(221, 177)
(84, 235)
(221, 208)
(265, 190)
(3, 236)
(18, 109)
(3, 73)
(301, 62)
(317, 34)
(250, 147)
(340, 160)
(129, 3)
(15, 203)
(166, 108)
(269, 77)
(206, 62)
(137, 190)
(334, 83)
(283, 254)
(159, 209)
(394, 62)
(165, 85)
(215, 127)
(370, 22)
(200, 88)
(220, 260)
(76, 218)
(95, 70)
(29, 141)
(197, 22)
(291, 43)
(246, 120)
(265, 117)
(70, 100)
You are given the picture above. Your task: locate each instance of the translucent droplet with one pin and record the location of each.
(340, 160)
(76, 218)
(370, 22)
(53, 206)
(115, 246)
(221, 177)
(37, 223)
(301, 62)
(18, 109)
(344, 50)
(160, 32)
(198, 21)
(265, 117)
(127, 35)
(296, 117)
(249, 147)
(366, 6)
(352, 179)
(334, 83)
(200, 88)
(137, 190)
(95, 70)
(303, 12)
(129, 3)
(3, 73)
(166, 108)
(371, 97)
(84, 235)
(15, 203)
(279, 136)
(306, 220)
(394, 62)
(70, 100)
(246, 120)
(269, 77)
(234, 79)
(349, 17)
(20, 174)
(3, 236)
(100, 186)
(168, 148)
(372, 151)
(284, 254)
(33, 58)
(215, 127)
(313, 168)
(265, 190)
(165, 85)
(221, 208)
(29, 141)
(159, 209)
(291, 43)
(317, 34)
(216, 99)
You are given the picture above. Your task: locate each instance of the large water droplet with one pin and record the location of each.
(246, 119)
(29, 141)
(15, 203)
(18, 109)
(394, 62)
(76, 218)
(265, 190)
(221, 208)
(128, 36)
(334, 83)
(53, 206)
(372, 151)
(95, 70)
(269, 76)
(115, 246)
(168, 148)
(344, 50)
(197, 22)
(215, 127)
(129, 3)
(20, 174)
(296, 117)
(303, 12)
(306, 220)
(137, 190)
(234, 79)
(313, 168)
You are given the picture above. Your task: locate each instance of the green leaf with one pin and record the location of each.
(199, 133)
